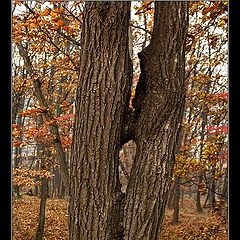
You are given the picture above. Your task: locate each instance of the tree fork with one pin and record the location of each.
(103, 122)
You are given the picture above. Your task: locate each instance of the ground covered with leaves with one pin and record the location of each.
(25, 219)
(192, 226)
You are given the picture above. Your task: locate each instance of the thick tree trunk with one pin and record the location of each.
(102, 95)
(98, 209)
(159, 103)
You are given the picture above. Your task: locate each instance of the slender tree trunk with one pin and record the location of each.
(198, 197)
(43, 201)
(36, 188)
(54, 128)
(18, 154)
(212, 198)
(62, 190)
(18, 150)
(225, 186)
(190, 191)
(41, 153)
(104, 122)
(224, 196)
(59, 182)
(205, 205)
(170, 198)
(202, 137)
(182, 196)
(176, 199)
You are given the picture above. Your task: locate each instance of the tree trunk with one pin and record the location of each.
(104, 122)
(19, 120)
(41, 153)
(225, 187)
(175, 219)
(170, 198)
(182, 196)
(17, 158)
(103, 93)
(43, 201)
(36, 188)
(54, 128)
(212, 198)
(198, 197)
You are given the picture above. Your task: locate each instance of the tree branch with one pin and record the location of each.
(54, 129)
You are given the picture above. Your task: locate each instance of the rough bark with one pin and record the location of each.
(159, 105)
(103, 122)
(102, 95)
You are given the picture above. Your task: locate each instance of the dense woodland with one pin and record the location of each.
(79, 70)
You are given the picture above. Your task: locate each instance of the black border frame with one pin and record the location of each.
(5, 121)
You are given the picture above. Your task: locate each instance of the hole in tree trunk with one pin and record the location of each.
(126, 157)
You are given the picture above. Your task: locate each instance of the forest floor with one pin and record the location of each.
(192, 226)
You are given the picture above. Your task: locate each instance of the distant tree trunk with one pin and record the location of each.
(62, 193)
(36, 187)
(212, 198)
(170, 197)
(43, 201)
(175, 219)
(225, 187)
(198, 197)
(202, 137)
(17, 107)
(17, 157)
(182, 196)
(41, 153)
(190, 191)
(224, 196)
(56, 182)
(104, 122)
(145, 33)
(205, 205)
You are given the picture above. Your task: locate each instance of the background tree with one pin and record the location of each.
(43, 36)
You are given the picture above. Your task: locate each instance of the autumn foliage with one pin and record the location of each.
(46, 44)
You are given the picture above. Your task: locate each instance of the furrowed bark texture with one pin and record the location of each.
(102, 95)
(159, 105)
(98, 210)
